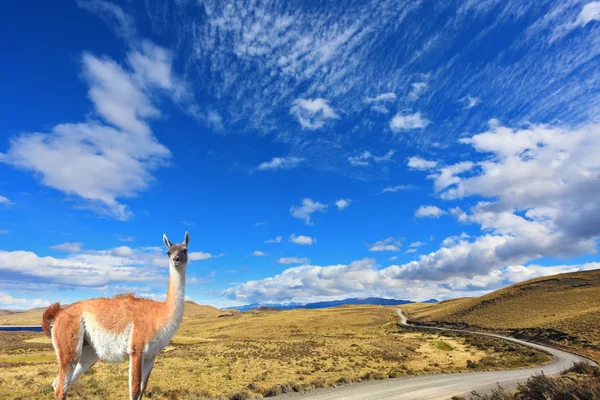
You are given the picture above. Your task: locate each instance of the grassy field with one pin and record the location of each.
(562, 310)
(260, 354)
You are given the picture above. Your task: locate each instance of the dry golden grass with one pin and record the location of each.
(261, 354)
(34, 316)
(22, 318)
(561, 309)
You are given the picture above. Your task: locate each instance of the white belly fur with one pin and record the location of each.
(115, 347)
(109, 346)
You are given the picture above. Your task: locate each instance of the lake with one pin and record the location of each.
(21, 328)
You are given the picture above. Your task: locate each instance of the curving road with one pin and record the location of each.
(440, 386)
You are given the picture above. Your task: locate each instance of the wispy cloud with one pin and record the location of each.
(397, 188)
(313, 113)
(388, 244)
(469, 102)
(69, 247)
(421, 164)
(258, 253)
(342, 203)
(404, 122)
(417, 90)
(292, 260)
(365, 158)
(276, 239)
(381, 98)
(92, 165)
(122, 238)
(429, 211)
(307, 208)
(4, 200)
(302, 239)
(280, 163)
(200, 255)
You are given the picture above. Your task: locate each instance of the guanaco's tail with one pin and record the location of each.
(50, 313)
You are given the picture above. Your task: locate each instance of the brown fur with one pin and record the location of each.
(50, 313)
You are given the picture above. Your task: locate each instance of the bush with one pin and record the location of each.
(580, 367)
(574, 386)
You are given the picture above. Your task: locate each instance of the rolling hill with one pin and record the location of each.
(34, 316)
(562, 310)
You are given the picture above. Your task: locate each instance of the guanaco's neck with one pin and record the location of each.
(176, 293)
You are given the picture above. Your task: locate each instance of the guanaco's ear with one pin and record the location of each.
(186, 239)
(166, 241)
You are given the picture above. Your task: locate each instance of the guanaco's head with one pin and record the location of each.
(178, 256)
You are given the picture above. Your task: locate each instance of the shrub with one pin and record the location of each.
(580, 367)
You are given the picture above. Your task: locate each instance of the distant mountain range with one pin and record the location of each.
(327, 304)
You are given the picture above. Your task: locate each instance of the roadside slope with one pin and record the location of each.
(562, 310)
(441, 386)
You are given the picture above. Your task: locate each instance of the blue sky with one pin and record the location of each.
(313, 150)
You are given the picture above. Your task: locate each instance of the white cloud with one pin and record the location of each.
(70, 247)
(292, 260)
(394, 189)
(3, 200)
(417, 90)
(102, 162)
(90, 269)
(469, 101)
(260, 223)
(459, 214)
(312, 113)
(122, 251)
(342, 203)
(383, 97)
(301, 239)
(364, 158)
(589, 12)
(549, 173)
(380, 108)
(402, 122)
(410, 251)
(453, 240)
(421, 164)
(10, 302)
(307, 208)
(199, 256)
(280, 163)
(429, 211)
(448, 176)
(258, 253)
(363, 278)
(388, 244)
(274, 240)
(4, 231)
(416, 244)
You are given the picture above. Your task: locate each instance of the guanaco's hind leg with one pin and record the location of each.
(86, 361)
(67, 338)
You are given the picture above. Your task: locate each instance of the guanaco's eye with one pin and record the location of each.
(185, 250)
(169, 253)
